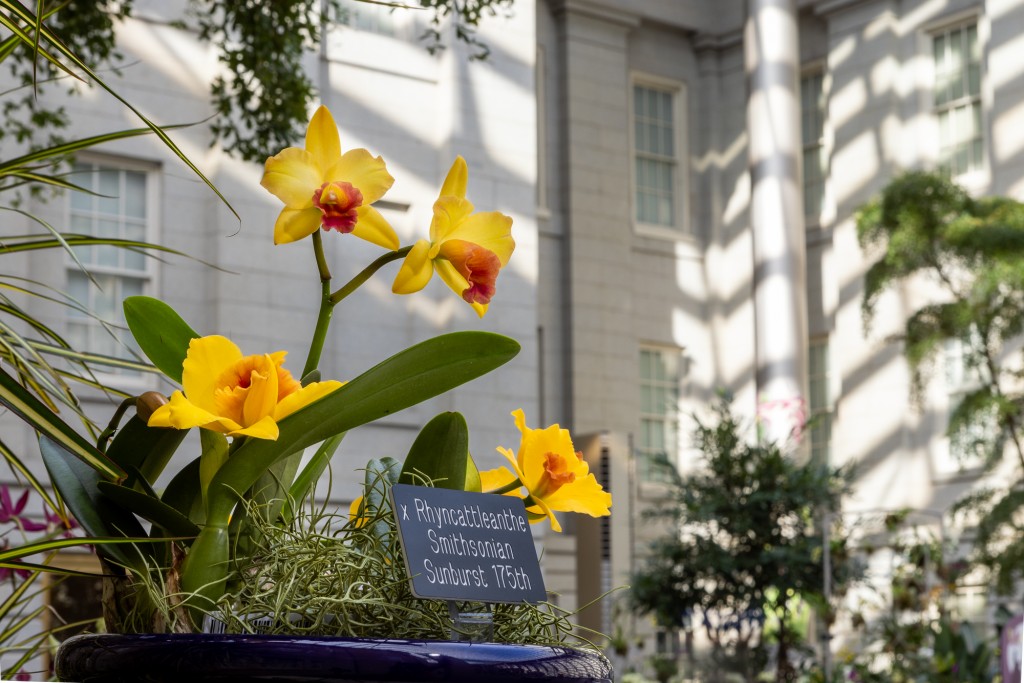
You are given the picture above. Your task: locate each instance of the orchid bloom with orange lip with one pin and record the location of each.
(233, 394)
(321, 187)
(555, 475)
(466, 249)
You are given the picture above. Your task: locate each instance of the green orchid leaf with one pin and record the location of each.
(143, 448)
(183, 493)
(78, 485)
(473, 481)
(150, 508)
(374, 494)
(47, 423)
(309, 475)
(421, 372)
(160, 332)
(440, 453)
(49, 545)
(214, 455)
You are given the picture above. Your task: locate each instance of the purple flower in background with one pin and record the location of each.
(55, 521)
(11, 512)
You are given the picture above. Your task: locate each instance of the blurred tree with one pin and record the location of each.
(262, 101)
(743, 544)
(973, 250)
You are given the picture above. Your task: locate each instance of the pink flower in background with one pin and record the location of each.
(10, 513)
(55, 521)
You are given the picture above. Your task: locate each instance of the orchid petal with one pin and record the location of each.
(303, 397)
(455, 181)
(292, 177)
(294, 224)
(261, 398)
(373, 227)
(180, 413)
(448, 213)
(206, 359)
(322, 141)
(491, 230)
(264, 429)
(451, 276)
(499, 477)
(367, 173)
(415, 271)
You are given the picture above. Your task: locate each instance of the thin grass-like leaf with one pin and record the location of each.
(19, 469)
(43, 420)
(66, 148)
(60, 48)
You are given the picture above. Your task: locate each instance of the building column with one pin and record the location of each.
(776, 214)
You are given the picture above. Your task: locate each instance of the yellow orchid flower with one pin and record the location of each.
(555, 475)
(466, 249)
(233, 394)
(320, 186)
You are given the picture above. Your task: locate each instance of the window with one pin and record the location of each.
(820, 404)
(120, 207)
(964, 376)
(812, 126)
(660, 377)
(957, 103)
(369, 17)
(656, 149)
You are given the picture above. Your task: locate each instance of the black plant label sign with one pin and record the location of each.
(460, 545)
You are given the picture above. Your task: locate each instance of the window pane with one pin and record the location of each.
(135, 195)
(110, 190)
(121, 213)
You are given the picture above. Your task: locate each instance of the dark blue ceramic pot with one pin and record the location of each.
(208, 658)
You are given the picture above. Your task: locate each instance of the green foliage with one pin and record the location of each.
(327, 574)
(913, 637)
(262, 101)
(973, 251)
(743, 541)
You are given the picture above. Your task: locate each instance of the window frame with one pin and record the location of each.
(672, 451)
(825, 413)
(149, 277)
(813, 69)
(950, 463)
(680, 228)
(979, 178)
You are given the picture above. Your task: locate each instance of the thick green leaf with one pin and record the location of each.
(412, 376)
(440, 453)
(46, 422)
(309, 475)
(183, 493)
(146, 449)
(150, 508)
(77, 484)
(407, 378)
(160, 332)
(213, 456)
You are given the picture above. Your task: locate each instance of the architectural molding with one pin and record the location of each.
(718, 41)
(597, 10)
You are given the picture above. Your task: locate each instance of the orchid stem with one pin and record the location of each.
(364, 275)
(507, 488)
(323, 319)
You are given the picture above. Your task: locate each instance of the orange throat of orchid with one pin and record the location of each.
(558, 472)
(338, 202)
(241, 390)
(479, 266)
